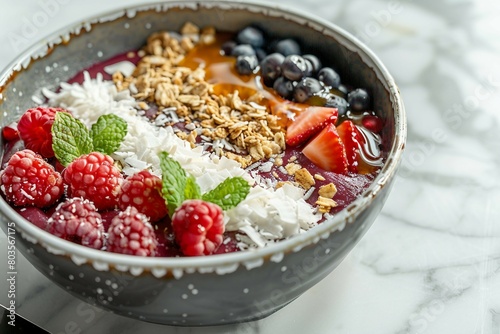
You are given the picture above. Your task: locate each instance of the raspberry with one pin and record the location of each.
(28, 180)
(143, 191)
(35, 128)
(77, 220)
(94, 177)
(198, 227)
(131, 233)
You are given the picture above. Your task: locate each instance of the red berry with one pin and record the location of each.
(131, 233)
(352, 139)
(77, 220)
(372, 123)
(28, 180)
(10, 132)
(35, 128)
(308, 123)
(198, 227)
(94, 177)
(143, 191)
(327, 151)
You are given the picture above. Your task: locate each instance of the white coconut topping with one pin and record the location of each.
(264, 216)
(125, 67)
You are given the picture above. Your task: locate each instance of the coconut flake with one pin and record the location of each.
(125, 67)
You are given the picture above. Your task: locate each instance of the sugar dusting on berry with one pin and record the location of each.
(131, 233)
(77, 220)
(28, 180)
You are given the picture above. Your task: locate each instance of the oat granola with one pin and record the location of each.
(251, 133)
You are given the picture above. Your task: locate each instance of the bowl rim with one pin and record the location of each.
(295, 243)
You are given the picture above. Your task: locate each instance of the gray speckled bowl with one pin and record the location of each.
(210, 290)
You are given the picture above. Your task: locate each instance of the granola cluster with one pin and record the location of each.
(245, 130)
(306, 180)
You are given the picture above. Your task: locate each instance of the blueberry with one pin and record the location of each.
(335, 101)
(246, 64)
(252, 36)
(227, 47)
(294, 67)
(306, 88)
(270, 68)
(309, 69)
(287, 47)
(243, 50)
(358, 100)
(315, 62)
(283, 87)
(329, 77)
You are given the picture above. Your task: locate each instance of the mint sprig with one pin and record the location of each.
(192, 190)
(174, 181)
(72, 139)
(229, 193)
(178, 186)
(108, 133)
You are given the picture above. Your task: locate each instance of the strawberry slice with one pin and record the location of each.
(352, 139)
(327, 151)
(308, 123)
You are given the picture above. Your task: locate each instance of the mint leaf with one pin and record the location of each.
(229, 193)
(192, 190)
(70, 138)
(107, 133)
(174, 182)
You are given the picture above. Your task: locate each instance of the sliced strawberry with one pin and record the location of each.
(9, 132)
(327, 151)
(352, 139)
(308, 123)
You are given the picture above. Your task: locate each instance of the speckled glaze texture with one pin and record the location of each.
(219, 289)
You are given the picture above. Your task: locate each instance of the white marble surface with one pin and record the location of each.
(431, 261)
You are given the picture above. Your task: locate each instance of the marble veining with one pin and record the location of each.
(431, 261)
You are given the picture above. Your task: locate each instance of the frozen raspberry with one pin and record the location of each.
(28, 180)
(131, 233)
(77, 220)
(94, 177)
(35, 128)
(198, 227)
(143, 191)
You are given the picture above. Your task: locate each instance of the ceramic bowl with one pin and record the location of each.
(211, 290)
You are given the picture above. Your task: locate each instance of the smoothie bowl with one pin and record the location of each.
(195, 163)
